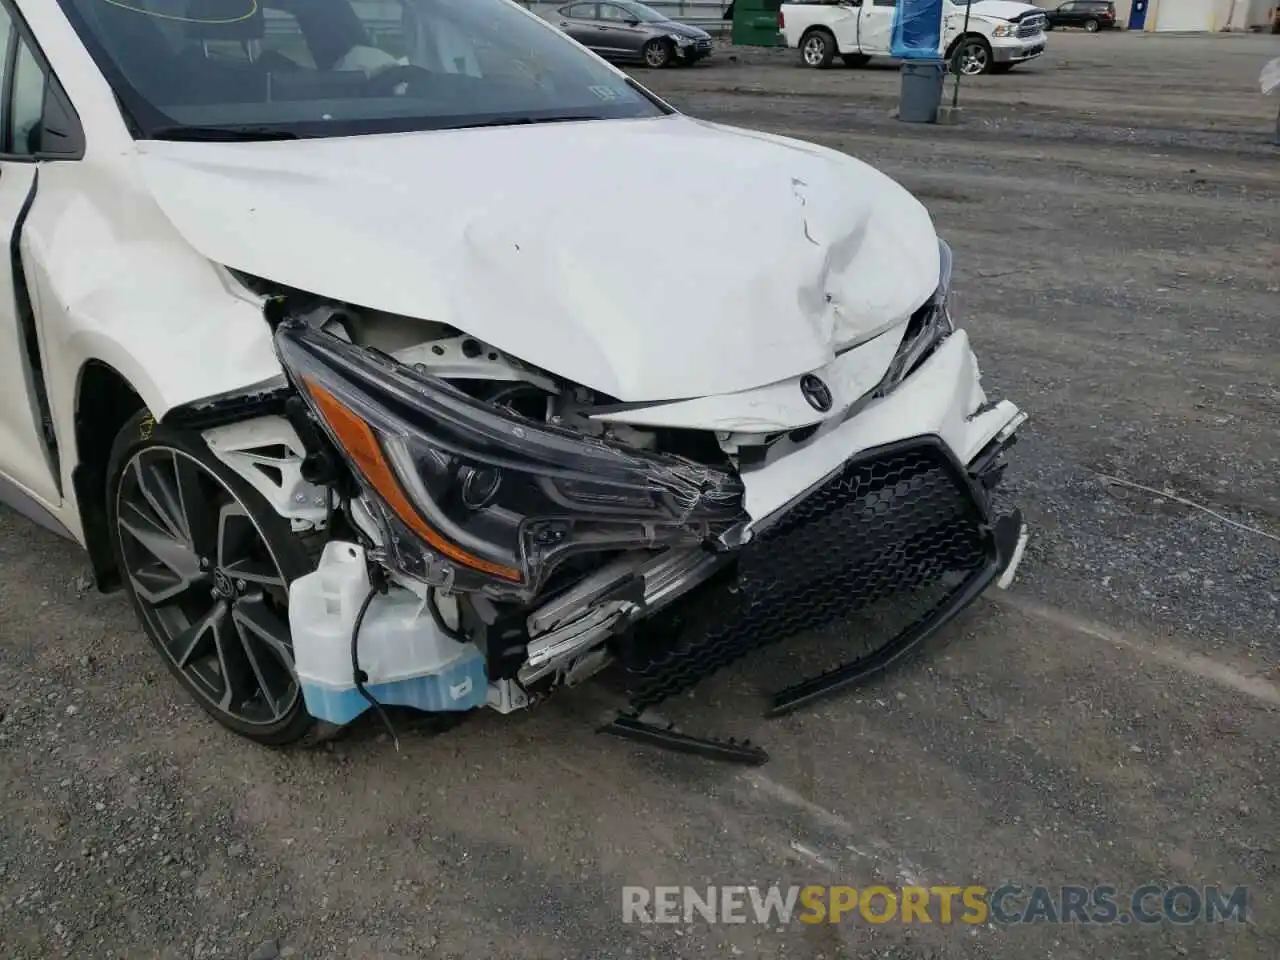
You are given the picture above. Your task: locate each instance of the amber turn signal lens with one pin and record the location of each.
(361, 445)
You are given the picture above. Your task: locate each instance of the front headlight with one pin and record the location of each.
(942, 296)
(681, 41)
(928, 326)
(1004, 30)
(472, 497)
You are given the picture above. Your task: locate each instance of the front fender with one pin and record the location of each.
(117, 284)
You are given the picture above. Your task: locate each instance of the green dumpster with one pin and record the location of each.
(755, 23)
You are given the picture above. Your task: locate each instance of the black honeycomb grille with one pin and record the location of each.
(902, 521)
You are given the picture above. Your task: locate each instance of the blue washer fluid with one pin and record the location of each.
(408, 660)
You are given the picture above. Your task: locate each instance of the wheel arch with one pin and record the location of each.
(105, 400)
(817, 28)
(662, 41)
(971, 35)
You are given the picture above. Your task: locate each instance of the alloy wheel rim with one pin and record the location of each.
(207, 584)
(973, 60)
(814, 48)
(1091, 27)
(656, 56)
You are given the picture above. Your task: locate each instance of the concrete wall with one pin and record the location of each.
(1243, 14)
(1223, 14)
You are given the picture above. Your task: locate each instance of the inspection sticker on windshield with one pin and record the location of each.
(604, 93)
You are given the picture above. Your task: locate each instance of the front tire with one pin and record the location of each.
(657, 54)
(207, 564)
(818, 49)
(972, 57)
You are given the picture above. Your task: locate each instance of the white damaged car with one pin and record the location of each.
(342, 336)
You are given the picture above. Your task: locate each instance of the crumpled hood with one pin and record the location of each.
(648, 259)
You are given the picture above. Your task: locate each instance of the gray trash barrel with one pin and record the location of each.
(921, 91)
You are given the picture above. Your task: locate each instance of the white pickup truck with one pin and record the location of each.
(1000, 34)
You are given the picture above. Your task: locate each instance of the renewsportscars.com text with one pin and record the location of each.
(1005, 905)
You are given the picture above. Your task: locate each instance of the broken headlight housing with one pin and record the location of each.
(470, 496)
(928, 327)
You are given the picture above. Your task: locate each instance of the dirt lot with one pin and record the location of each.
(1115, 211)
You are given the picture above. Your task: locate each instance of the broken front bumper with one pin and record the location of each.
(693, 52)
(906, 520)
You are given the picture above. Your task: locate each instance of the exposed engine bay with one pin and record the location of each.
(624, 549)
(522, 519)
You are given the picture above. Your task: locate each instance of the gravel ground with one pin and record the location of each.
(1112, 719)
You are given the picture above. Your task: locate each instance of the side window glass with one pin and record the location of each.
(26, 111)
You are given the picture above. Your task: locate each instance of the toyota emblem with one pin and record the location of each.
(816, 392)
(222, 585)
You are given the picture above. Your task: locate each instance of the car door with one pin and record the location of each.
(620, 32)
(1069, 15)
(875, 27)
(845, 25)
(578, 20)
(28, 445)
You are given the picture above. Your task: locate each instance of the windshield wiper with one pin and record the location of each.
(220, 134)
(521, 121)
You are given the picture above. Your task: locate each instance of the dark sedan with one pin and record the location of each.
(626, 31)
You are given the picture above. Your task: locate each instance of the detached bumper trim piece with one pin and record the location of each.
(667, 737)
(1011, 568)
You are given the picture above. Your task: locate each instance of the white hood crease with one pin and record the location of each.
(630, 267)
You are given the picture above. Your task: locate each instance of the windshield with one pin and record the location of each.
(267, 68)
(642, 13)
